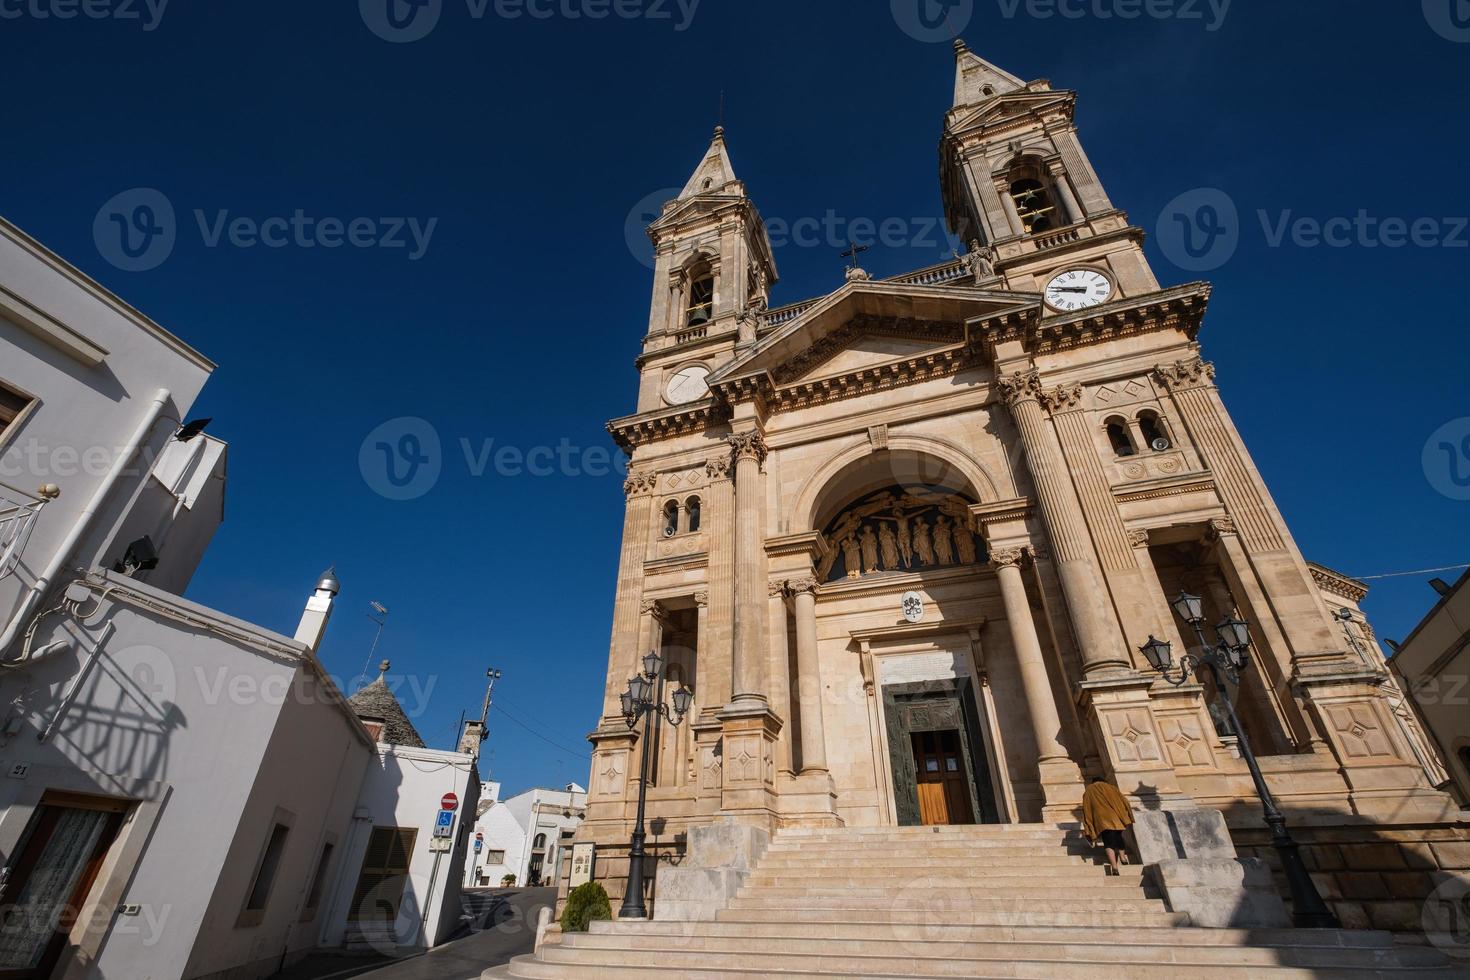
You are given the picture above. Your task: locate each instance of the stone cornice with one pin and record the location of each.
(1170, 486)
(1181, 308)
(632, 431)
(809, 544)
(1337, 583)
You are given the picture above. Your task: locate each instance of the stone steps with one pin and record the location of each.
(958, 959)
(1016, 901)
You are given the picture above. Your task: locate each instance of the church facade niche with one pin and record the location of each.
(898, 530)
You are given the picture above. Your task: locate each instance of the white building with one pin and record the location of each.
(188, 795)
(527, 836)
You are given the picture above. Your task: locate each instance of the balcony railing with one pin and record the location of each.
(18, 513)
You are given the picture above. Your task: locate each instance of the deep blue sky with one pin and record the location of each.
(531, 140)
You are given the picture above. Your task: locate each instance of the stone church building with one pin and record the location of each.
(904, 541)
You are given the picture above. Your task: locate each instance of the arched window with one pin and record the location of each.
(701, 295)
(1035, 201)
(671, 518)
(691, 507)
(1118, 436)
(539, 844)
(1154, 434)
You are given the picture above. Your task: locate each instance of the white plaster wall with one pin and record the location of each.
(154, 721)
(84, 412)
(402, 788)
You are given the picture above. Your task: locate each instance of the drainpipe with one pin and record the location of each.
(83, 522)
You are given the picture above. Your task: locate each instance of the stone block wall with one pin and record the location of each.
(1377, 877)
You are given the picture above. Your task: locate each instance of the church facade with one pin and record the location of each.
(904, 541)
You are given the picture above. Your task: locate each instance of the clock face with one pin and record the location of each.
(1077, 289)
(689, 385)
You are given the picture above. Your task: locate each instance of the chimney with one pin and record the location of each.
(318, 610)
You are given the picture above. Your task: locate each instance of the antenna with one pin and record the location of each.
(379, 615)
(720, 122)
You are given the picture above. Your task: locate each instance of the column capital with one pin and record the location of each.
(717, 468)
(803, 586)
(777, 588)
(640, 484)
(748, 445)
(1191, 372)
(1018, 387)
(1062, 398)
(1221, 526)
(701, 599)
(1006, 557)
(1138, 538)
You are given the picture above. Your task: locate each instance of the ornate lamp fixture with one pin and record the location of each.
(1226, 659)
(640, 701)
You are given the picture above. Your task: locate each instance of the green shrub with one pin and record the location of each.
(584, 904)
(508, 881)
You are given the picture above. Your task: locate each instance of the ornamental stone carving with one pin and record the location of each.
(1062, 398)
(748, 445)
(1138, 538)
(640, 484)
(1018, 387)
(701, 599)
(803, 586)
(1189, 373)
(1221, 525)
(1005, 557)
(717, 468)
(777, 589)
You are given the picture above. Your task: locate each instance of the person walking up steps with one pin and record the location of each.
(1105, 815)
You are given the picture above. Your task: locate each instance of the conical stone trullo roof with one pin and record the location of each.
(377, 705)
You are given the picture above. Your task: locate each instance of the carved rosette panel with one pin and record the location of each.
(1186, 741)
(612, 773)
(746, 761)
(1131, 736)
(710, 768)
(1359, 732)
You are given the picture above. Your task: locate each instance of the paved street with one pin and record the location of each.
(503, 926)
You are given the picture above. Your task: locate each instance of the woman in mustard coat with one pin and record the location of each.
(1105, 815)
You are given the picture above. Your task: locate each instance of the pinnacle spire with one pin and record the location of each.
(714, 172)
(977, 79)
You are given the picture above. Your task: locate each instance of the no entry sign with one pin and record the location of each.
(450, 802)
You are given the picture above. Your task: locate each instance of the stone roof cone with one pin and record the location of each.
(976, 79)
(376, 704)
(715, 172)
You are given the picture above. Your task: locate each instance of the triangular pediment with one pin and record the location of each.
(1006, 107)
(865, 327)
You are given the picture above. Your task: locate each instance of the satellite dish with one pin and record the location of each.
(1160, 444)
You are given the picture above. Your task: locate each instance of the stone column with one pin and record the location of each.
(1268, 546)
(637, 527)
(1008, 204)
(780, 670)
(676, 302)
(809, 679)
(719, 522)
(1064, 191)
(1061, 780)
(747, 676)
(1086, 596)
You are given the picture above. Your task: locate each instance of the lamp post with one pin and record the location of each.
(645, 697)
(1227, 658)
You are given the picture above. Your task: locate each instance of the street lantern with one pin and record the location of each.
(1160, 653)
(1234, 633)
(640, 702)
(1226, 658)
(1189, 607)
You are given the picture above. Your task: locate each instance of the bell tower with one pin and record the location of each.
(1017, 184)
(712, 256)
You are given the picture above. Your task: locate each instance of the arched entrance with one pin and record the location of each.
(897, 523)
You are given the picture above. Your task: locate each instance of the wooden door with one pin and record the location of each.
(60, 854)
(944, 793)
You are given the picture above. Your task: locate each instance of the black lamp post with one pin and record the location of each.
(645, 697)
(1225, 659)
